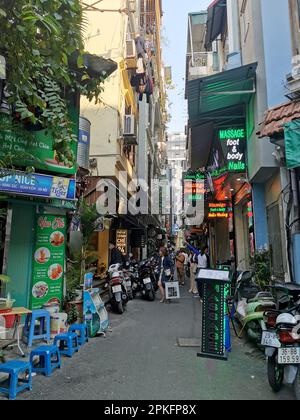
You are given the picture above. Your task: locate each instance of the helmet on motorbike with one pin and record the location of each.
(286, 319)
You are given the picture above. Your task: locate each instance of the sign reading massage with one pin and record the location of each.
(218, 211)
(234, 140)
(194, 186)
(39, 186)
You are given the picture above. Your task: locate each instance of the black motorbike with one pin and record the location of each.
(146, 281)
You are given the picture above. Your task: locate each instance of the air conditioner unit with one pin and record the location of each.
(129, 125)
(132, 6)
(130, 130)
(131, 55)
(130, 49)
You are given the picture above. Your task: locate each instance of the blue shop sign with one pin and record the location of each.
(39, 186)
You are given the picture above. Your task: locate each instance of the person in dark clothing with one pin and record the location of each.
(166, 266)
(143, 86)
(116, 256)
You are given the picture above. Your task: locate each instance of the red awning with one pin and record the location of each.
(275, 118)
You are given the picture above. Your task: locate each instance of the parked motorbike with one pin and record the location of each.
(282, 342)
(134, 277)
(146, 281)
(117, 289)
(251, 305)
(128, 281)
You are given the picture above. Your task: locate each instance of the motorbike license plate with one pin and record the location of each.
(147, 281)
(289, 356)
(117, 289)
(269, 339)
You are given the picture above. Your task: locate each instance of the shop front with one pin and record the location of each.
(34, 233)
(223, 102)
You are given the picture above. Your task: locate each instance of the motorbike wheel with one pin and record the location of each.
(152, 296)
(297, 386)
(276, 374)
(120, 308)
(254, 332)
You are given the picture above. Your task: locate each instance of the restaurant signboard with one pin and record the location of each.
(122, 241)
(37, 185)
(35, 147)
(48, 261)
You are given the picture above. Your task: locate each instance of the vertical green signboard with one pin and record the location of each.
(48, 261)
(214, 288)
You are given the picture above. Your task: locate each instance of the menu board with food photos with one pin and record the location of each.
(48, 261)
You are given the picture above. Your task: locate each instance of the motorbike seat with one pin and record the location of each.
(247, 276)
(288, 286)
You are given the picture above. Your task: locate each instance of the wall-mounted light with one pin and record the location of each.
(107, 223)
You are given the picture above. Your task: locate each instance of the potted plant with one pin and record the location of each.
(261, 265)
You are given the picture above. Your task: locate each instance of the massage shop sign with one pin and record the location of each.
(48, 261)
(234, 143)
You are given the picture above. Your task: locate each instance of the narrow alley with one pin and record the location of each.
(141, 360)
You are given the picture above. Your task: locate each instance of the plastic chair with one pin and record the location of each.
(16, 385)
(33, 331)
(49, 360)
(67, 344)
(82, 331)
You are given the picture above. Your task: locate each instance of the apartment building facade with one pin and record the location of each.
(252, 79)
(127, 128)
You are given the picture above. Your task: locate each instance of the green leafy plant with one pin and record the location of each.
(261, 265)
(79, 263)
(38, 38)
(4, 279)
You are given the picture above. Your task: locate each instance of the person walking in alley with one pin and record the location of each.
(180, 261)
(116, 256)
(166, 271)
(202, 263)
(193, 270)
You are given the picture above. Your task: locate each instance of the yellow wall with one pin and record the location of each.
(105, 36)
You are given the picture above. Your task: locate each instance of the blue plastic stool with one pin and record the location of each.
(82, 331)
(67, 344)
(16, 385)
(34, 332)
(49, 360)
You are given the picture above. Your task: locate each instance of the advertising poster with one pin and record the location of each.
(48, 261)
(122, 241)
(37, 185)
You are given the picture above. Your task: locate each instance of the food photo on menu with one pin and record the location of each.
(57, 239)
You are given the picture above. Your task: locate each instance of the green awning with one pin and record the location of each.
(292, 144)
(221, 95)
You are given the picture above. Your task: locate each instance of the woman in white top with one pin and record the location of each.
(202, 263)
(193, 270)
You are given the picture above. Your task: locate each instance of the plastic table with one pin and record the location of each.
(16, 342)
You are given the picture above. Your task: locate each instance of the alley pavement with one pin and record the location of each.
(140, 360)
